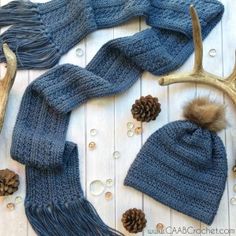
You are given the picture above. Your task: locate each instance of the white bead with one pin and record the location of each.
(18, 200)
(212, 53)
(79, 52)
(130, 133)
(234, 188)
(130, 125)
(233, 201)
(93, 132)
(109, 183)
(116, 155)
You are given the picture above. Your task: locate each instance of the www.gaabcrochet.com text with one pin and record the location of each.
(191, 230)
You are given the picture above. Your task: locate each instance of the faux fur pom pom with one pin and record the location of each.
(206, 113)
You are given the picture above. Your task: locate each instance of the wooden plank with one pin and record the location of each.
(17, 215)
(128, 147)
(229, 46)
(100, 116)
(179, 94)
(156, 212)
(76, 131)
(33, 75)
(214, 65)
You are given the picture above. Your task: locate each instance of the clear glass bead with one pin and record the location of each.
(108, 196)
(116, 155)
(234, 188)
(138, 130)
(212, 52)
(109, 183)
(79, 52)
(11, 206)
(160, 227)
(92, 145)
(93, 132)
(97, 187)
(233, 201)
(18, 200)
(130, 125)
(130, 133)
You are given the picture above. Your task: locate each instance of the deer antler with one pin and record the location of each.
(198, 74)
(7, 81)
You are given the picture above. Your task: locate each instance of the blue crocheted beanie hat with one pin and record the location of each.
(183, 165)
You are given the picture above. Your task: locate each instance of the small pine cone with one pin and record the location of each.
(134, 220)
(9, 182)
(146, 109)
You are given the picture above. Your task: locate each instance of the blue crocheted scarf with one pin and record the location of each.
(41, 33)
(55, 203)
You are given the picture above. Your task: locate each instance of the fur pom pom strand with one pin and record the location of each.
(206, 113)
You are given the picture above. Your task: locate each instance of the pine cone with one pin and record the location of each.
(134, 220)
(146, 108)
(9, 182)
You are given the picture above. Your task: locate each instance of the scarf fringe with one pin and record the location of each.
(76, 218)
(27, 36)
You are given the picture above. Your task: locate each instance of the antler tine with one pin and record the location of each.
(11, 65)
(198, 68)
(232, 77)
(197, 39)
(7, 81)
(198, 74)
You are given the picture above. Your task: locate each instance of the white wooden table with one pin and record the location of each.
(110, 116)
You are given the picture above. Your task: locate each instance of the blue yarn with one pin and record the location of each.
(184, 167)
(55, 203)
(41, 33)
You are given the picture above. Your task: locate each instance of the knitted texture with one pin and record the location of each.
(55, 203)
(184, 167)
(41, 33)
(39, 136)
